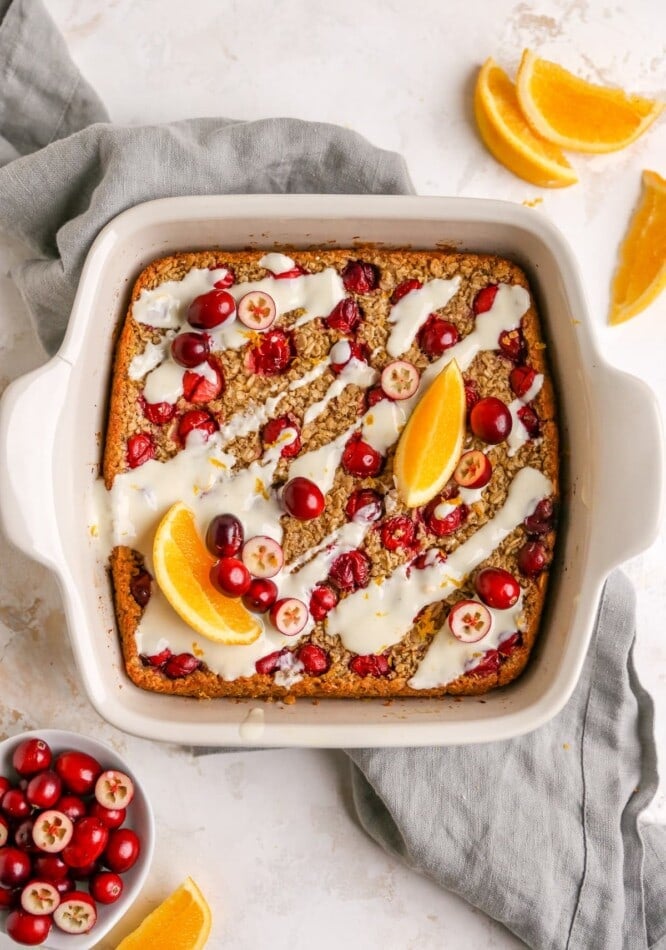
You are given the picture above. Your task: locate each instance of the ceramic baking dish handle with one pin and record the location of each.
(631, 484)
(29, 414)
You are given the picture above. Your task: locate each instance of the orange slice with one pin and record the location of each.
(576, 114)
(432, 440)
(507, 135)
(641, 272)
(182, 565)
(181, 922)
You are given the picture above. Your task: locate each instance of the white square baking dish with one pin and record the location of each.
(45, 504)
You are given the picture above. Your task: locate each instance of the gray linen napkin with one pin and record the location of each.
(540, 832)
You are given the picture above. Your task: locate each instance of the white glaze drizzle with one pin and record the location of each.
(519, 434)
(277, 263)
(370, 620)
(151, 357)
(409, 314)
(354, 373)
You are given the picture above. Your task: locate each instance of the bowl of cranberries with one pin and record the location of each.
(76, 839)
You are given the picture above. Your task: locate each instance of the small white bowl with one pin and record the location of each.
(139, 817)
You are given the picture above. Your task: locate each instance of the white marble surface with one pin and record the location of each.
(270, 837)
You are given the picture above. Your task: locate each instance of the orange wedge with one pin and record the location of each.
(432, 440)
(182, 566)
(181, 922)
(641, 272)
(576, 114)
(507, 135)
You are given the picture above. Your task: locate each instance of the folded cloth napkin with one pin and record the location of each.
(540, 832)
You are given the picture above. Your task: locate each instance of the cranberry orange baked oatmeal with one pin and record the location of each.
(330, 474)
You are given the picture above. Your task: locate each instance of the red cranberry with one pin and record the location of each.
(30, 929)
(485, 299)
(489, 663)
(227, 280)
(23, 835)
(141, 587)
(106, 887)
(196, 419)
(261, 595)
(343, 352)
(497, 588)
(268, 664)
(110, 817)
(159, 413)
(490, 420)
(428, 558)
(510, 645)
(123, 849)
(140, 449)
(199, 390)
(181, 664)
(272, 355)
(471, 394)
(9, 897)
(521, 379)
(370, 665)
(190, 349)
(406, 287)
(225, 536)
(211, 309)
(541, 519)
(437, 335)
(296, 271)
(350, 571)
(360, 459)
(78, 771)
(322, 600)
(15, 866)
(530, 420)
(449, 524)
(157, 660)
(15, 804)
(231, 577)
(44, 789)
(31, 756)
(398, 532)
(512, 345)
(367, 501)
(374, 395)
(50, 866)
(303, 499)
(360, 277)
(274, 429)
(72, 806)
(532, 558)
(4, 785)
(345, 316)
(315, 660)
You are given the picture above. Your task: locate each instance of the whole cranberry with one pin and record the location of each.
(345, 317)
(490, 420)
(398, 532)
(28, 929)
(50, 866)
(225, 536)
(230, 576)
(199, 389)
(360, 459)
(110, 817)
(179, 665)
(72, 806)
(369, 665)
(359, 277)
(190, 349)
(530, 420)
(260, 595)
(511, 344)
(485, 299)
(44, 789)
(532, 558)
(350, 571)
(521, 379)
(78, 771)
(211, 309)
(15, 866)
(140, 449)
(122, 850)
(159, 413)
(23, 835)
(315, 660)
(274, 429)
(374, 395)
(322, 600)
(88, 841)
(106, 887)
(30, 756)
(540, 522)
(437, 335)
(303, 499)
(141, 587)
(15, 804)
(9, 897)
(268, 664)
(272, 355)
(4, 785)
(365, 503)
(406, 287)
(443, 525)
(497, 588)
(196, 420)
